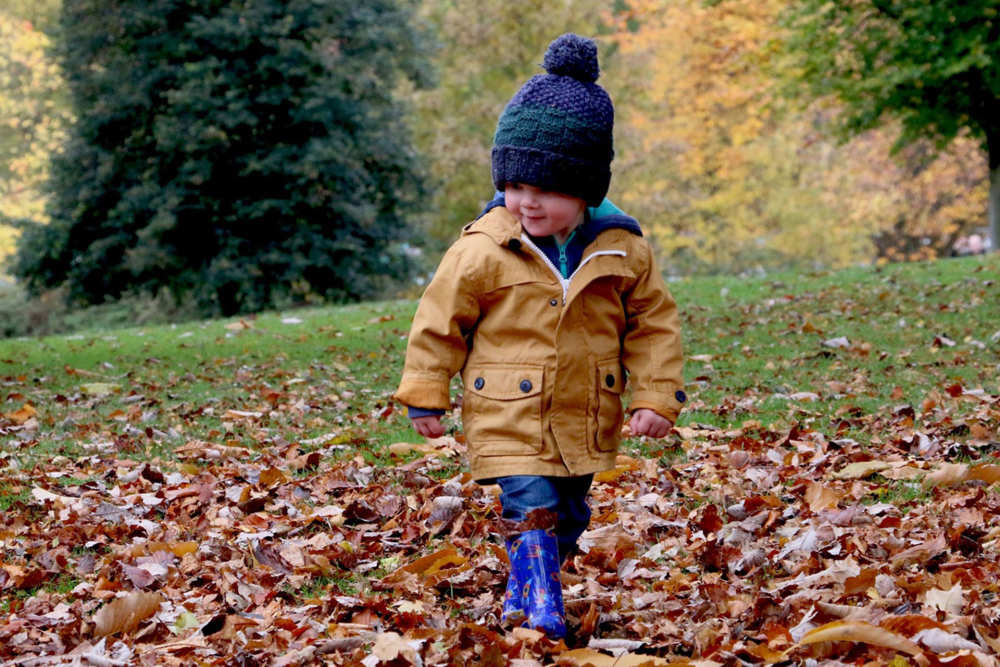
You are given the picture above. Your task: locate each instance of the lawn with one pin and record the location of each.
(246, 487)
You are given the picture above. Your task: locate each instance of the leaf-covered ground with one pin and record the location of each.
(244, 492)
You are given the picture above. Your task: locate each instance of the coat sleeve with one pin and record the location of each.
(652, 351)
(437, 345)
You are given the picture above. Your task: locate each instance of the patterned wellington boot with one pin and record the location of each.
(534, 566)
(512, 613)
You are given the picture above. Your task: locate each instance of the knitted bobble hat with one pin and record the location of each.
(555, 133)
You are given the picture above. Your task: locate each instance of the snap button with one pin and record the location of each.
(609, 380)
(554, 302)
(514, 244)
(525, 386)
(680, 396)
(479, 382)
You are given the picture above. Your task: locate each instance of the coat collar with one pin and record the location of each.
(500, 225)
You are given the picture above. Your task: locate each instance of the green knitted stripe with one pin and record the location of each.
(548, 129)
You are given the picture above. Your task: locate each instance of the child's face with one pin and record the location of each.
(544, 212)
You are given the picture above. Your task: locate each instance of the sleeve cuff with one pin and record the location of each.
(668, 405)
(429, 390)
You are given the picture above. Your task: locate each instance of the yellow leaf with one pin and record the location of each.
(404, 448)
(99, 388)
(860, 469)
(431, 564)
(126, 613)
(21, 416)
(858, 631)
(623, 464)
(239, 326)
(181, 549)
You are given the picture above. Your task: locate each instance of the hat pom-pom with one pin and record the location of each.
(573, 55)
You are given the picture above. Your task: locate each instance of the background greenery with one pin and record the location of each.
(221, 157)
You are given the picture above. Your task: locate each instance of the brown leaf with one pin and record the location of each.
(821, 497)
(140, 577)
(125, 613)
(272, 477)
(858, 631)
(19, 417)
(986, 472)
(389, 646)
(861, 469)
(947, 474)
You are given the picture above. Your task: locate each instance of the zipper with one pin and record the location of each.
(564, 282)
(562, 252)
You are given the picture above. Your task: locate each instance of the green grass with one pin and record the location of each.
(755, 350)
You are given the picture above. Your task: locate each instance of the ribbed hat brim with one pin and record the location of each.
(588, 180)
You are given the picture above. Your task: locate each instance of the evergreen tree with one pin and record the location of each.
(247, 153)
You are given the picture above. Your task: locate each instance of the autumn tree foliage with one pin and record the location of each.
(934, 66)
(241, 154)
(729, 175)
(34, 112)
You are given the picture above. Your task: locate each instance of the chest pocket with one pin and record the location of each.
(607, 422)
(502, 409)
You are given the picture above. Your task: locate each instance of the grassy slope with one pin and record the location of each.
(754, 346)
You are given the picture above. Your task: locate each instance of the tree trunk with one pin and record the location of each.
(993, 157)
(994, 207)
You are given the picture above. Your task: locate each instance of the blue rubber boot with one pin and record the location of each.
(534, 566)
(513, 612)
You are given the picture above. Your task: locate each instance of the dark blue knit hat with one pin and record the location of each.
(556, 132)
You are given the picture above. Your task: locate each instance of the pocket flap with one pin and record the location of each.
(610, 376)
(504, 383)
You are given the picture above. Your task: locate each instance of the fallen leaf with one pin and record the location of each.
(99, 388)
(950, 601)
(861, 469)
(124, 614)
(857, 631)
(942, 641)
(947, 474)
(272, 477)
(985, 472)
(821, 497)
(582, 657)
(22, 415)
(390, 646)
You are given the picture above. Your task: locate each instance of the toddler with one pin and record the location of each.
(547, 305)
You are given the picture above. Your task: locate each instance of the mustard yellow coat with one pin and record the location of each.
(542, 358)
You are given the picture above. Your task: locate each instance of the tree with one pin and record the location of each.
(729, 176)
(243, 153)
(933, 65)
(34, 112)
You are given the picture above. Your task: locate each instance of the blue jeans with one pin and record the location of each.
(566, 496)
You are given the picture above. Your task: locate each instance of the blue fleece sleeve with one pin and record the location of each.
(413, 412)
